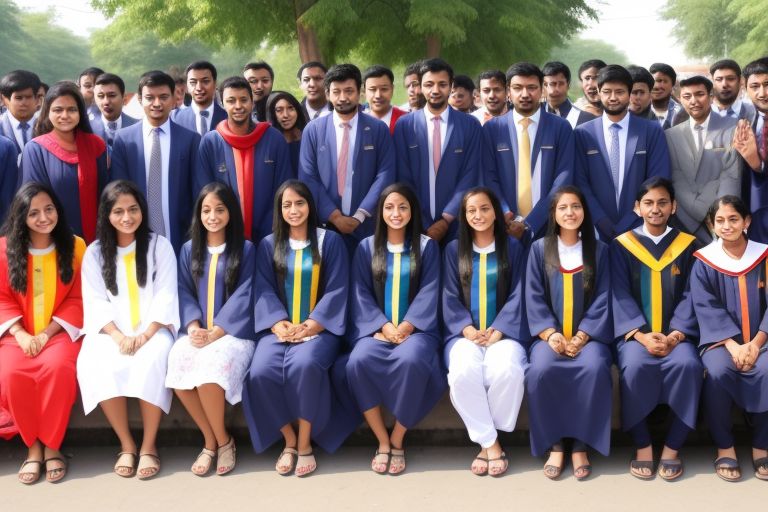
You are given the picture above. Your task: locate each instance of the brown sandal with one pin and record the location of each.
(480, 471)
(227, 458)
(56, 474)
(205, 452)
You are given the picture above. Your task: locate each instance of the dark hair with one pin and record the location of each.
(92, 72)
(107, 234)
(59, 89)
(666, 69)
(728, 200)
(233, 235)
(524, 69)
(588, 240)
(260, 65)
(756, 67)
(342, 73)
(435, 66)
(378, 71)
(492, 74)
(156, 78)
(465, 248)
(592, 63)
(45, 86)
(201, 65)
(281, 230)
(235, 82)
(697, 80)
(641, 75)
(655, 182)
(557, 68)
(614, 73)
(310, 64)
(274, 97)
(19, 80)
(725, 64)
(464, 82)
(16, 234)
(109, 78)
(412, 239)
(414, 68)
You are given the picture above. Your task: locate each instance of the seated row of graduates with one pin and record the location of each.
(267, 325)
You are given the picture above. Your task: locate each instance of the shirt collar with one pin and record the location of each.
(704, 125)
(15, 122)
(209, 109)
(533, 117)
(147, 128)
(352, 122)
(443, 116)
(624, 123)
(107, 121)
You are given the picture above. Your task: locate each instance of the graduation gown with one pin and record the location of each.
(569, 397)
(287, 381)
(651, 292)
(37, 393)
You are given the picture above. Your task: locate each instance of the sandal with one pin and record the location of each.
(292, 455)
(550, 470)
(227, 457)
(582, 472)
(758, 464)
(303, 462)
(381, 459)
(151, 469)
(727, 463)
(130, 467)
(671, 469)
(34, 476)
(503, 458)
(481, 471)
(211, 455)
(56, 474)
(636, 467)
(397, 459)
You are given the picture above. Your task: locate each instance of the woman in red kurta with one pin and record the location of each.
(41, 313)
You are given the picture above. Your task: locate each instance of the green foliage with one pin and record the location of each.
(578, 50)
(709, 28)
(751, 29)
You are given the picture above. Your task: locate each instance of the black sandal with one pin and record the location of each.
(586, 469)
(636, 465)
(670, 469)
(388, 456)
(503, 458)
(550, 470)
(480, 473)
(727, 463)
(758, 464)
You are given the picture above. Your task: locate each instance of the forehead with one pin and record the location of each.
(107, 88)
(65, 100)
(256, 73)
(655, 194)
(758, 78)
(660, 75)
(479, 199)
(490, 83)
(199, 74)
(87, 79)
(125, 200)
(313, 72)
(436, 76)
(24, 92)
(377, 81)
(413, 77)
(236, 91)
(283, 103)
(156, 90)
(614, 86)
(524, 80)
(725, 73)
(693, 89)
(568, 197)
(639, 86)
(589, 71)
(557, 77)
(343, 84)
(212, 198)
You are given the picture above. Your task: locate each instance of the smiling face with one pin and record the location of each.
(157, 102)
(436, 88)
(413, 88)
(525, 93)
(125, 215)
(286, 114)
(378, 93)
(589, 84)
(238, 104)
(42, 215)
(729, 224)
(295, 208)
(696, 101)
(493, 96)
(480, 213)
(662, 87)
(202, 86)
(396, 211)
(260, 81)
(64, 114)
(214, 214)
(655, 207)
(569, 212)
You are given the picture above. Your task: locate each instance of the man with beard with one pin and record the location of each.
(379, 84)
(529, 155)
(108, 93)
(204, 113)
(590, 102)
(662, 104)
(346, 158)
(726, 78)
(493, 95)
(315, 102)
(261, 77)
(439, 152)
(640, 96)
(615, 154)
(412, 83)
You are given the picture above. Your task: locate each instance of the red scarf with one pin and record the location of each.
(84, 153)
(244, 147)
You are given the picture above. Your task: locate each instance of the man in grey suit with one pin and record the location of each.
(704, 164)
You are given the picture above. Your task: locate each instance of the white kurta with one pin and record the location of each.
(103, 372)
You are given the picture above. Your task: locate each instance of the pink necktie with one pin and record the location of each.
(437, 144)
(341, 167)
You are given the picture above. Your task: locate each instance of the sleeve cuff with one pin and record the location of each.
(360, 215)
(7, 325)
(72, 331)
(448, 217)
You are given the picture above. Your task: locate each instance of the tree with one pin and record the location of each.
(579, 50)
(10, 35)
(709, 29)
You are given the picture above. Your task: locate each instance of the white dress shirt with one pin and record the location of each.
(118, 122)
(196, 109)
(312, 112)
(571, 256)
(165, 157)
(17, 129)
(346, 198)
(624, 123)
(704, 125)
(443, 135)
(387, 119)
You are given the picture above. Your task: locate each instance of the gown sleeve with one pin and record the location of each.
(537, 299)
(627, 314)
(236, 315)
(189, 305)
(510, 319)
(97, 307)
(715, 323)
(456, 316)
(367, 316)
(69, 313)
(423, 310)
(331, 309)
(165, 299)
(596, 321)
(268, 308)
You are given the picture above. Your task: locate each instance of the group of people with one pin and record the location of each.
(386, 257)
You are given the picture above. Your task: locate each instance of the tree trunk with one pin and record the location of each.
(434, 46)
(309, 49)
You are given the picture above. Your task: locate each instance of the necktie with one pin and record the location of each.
(203, 122)
(111, 129)
(615, 157)
(437, 144)
(524, 200)
(341, 167)
(24, 126)
(555, 111)
(155, 185)
(317, 114)
(699, 140)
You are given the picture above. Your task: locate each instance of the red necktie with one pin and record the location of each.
(341, 167)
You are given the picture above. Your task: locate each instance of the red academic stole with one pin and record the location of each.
(84, 153)
(244, 147)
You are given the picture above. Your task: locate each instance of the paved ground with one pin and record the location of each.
(437, 479)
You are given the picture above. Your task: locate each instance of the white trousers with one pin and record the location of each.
(486, 386)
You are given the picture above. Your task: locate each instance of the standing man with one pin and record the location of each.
(588, 72)
(557, 81)
(109, 91)
(463, 94)
(704, 165)
(19, 89)
(439, 152)
(204, 112)
(252, 158)
(493, 95)
(261, 77)
(85, 82)
(664, 107)
(412, 83)
(379, 84)
(640, 96)
(726, 78)
(529, 155)
(615, 154)
(311, 78)
(347, 158)
(160, 157)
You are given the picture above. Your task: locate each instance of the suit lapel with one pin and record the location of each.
(512, 130)
(597, 132)
(448, 134)
(538, 139)
(632, 137)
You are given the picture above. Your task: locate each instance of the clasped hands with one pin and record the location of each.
(658, 344)
(30, 345)
(482, 337)
(565, 347)
(345, 225)
(744, 355)
(396, 335)
(199, 337)
(288, 332)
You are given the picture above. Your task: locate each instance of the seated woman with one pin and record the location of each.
(654, 322)
(131, 315)
(567, 290)
(207, 364)
(482, 309)
(68, 157)
(300, 291)
(395, 332)
(728, 290)
(41, 313)
(284, 112)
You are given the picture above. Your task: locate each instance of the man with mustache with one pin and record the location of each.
(493, 94)
(726, 77)
(261, 77)
(204, 112)
(379, 83)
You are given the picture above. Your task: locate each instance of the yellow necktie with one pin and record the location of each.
(524, 201)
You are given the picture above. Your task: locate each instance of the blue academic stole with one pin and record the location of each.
(397, 286)
(483, 294)
(301, 283)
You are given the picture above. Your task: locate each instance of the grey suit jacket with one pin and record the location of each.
(702, 176)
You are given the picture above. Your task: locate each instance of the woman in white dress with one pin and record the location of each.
(207, 364)
(131, 315)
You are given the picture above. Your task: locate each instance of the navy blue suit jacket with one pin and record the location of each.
(6, 130)
(186, 117)
(98, 126)
(647, 155)
(183, 173)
